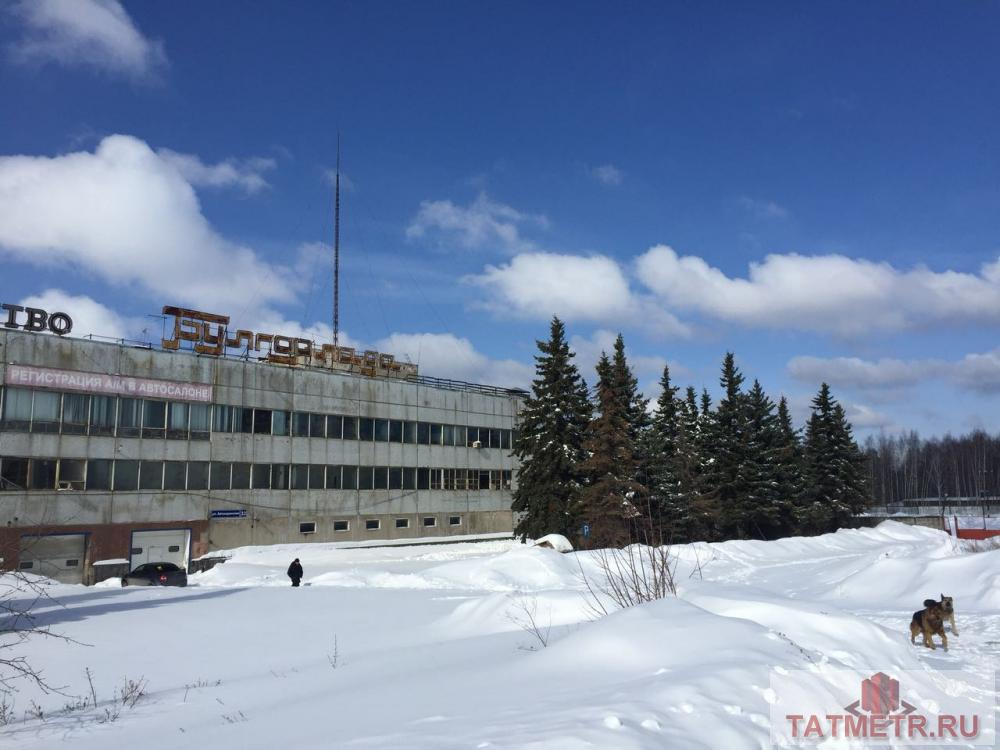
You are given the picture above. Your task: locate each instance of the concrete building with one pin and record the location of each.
(114, 451)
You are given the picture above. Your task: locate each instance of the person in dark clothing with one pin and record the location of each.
(295, 571)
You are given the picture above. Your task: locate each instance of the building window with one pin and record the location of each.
(366, 477)
(448, 434)
(174, 475)
(395, 478)
(430, 521)
(177, 421)
(154, 419)
(316, 476)
(243, 419)
(317, 425)
(472, 437)
(436, 431)
(197, 475)
(423, 433)
(201, 421)
(380, 481)
(126, 476)
(350, 428)
(261, 476)
(13, 474)
(381, 430)
(102, 415)
(71, 474)
(279, 476)
(339, 526)
(409, 478)
(279, 423)
(300, 477)
(262, 421)
(372, 524)
(99, 474)
(334, 427)
(26, 565)
(17, 408)
(402, 523)
(45, 412)
(454, 520)
(43, 474)
(349, 477)
(174, 548)
(300, 424)
(222, 418)
(395, 431)
(129, 417)
(151, 475)
(410, 432)
(460, 435)
(221, 475)
(307, 527)
(241, 476)
(423, 479)
(74, 416)
(333, 477)
(366, 428)
(72, 563)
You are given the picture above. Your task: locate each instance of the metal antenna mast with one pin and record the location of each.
(336, 251)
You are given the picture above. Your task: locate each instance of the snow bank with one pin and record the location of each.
(555, 541)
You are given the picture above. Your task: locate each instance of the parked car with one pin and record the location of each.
(156, 574)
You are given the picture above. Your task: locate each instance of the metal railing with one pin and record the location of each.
(461, 385)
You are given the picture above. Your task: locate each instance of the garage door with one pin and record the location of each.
(169, 545)
(60, 556)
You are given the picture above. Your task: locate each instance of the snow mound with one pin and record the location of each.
(555, 541)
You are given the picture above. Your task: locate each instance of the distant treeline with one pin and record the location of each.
(903, 467)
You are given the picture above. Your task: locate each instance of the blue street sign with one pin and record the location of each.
(234, 513)
(586, 531)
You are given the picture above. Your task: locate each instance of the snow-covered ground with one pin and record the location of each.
(427, 648)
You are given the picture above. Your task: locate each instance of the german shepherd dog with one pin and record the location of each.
(930, 621)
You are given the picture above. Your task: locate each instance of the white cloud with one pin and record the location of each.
(98, 33)
(829, 293)
(483, 223)
(852, 372)
(445, 355)
(129, 216)
(89, 316)
(574, 287)
(608, 174)
(978, 372)
(763, 209)
(647, 369)
(246, 174)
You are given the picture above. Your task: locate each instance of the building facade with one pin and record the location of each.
(114, 451)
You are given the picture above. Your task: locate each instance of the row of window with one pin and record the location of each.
(122, 475)
(28, 410)
(374, 524)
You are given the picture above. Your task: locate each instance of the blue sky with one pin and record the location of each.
(811, 185)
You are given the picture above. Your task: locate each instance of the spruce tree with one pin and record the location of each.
(660, 446)
(765, 508)
(789, 470)
(835, 487)
(549, 445)
(727, 477)
(611, 499)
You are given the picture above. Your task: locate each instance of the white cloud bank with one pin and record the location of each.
(129, 216)
(484, 223)
(246, 174)
(979, 372)
(445, 355)
(89, 316)
(96, 33)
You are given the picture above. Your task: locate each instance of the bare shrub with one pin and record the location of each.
(524, 614)
(333, 657)
(629, 576)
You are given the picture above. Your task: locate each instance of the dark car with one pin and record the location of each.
(156, 574)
